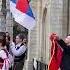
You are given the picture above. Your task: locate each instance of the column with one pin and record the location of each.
(34, 41)
(2, 18)
(9, 19)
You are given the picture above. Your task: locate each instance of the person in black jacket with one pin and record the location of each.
(65, 45)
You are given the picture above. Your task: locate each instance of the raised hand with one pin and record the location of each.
(54, 36)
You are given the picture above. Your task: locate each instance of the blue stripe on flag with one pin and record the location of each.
(30, 13)
(14, 1)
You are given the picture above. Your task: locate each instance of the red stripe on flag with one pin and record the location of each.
(22, 5)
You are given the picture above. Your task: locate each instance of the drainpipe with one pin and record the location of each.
(68, 18)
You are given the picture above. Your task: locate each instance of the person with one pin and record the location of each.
(11, 57)
(65, 45)
(8, 42)
(19, 51)
(4, 60)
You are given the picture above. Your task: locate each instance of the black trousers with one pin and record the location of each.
(11, 68)
(18, 65)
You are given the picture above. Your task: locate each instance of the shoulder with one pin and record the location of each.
(60, 40)
(2, 51)
(3, 54)
(24, 46)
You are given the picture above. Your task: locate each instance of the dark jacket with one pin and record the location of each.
(65, 65)
(21, 57)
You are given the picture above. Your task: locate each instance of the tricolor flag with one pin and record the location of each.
(22, 13)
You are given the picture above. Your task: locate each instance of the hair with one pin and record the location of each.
(21, 36)
(7, 32)
(3, 38)
(8, 38)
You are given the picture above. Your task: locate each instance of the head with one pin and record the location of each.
(7, 33)
(19, 38)
(2, 39)
(67, 39)
(25, 41)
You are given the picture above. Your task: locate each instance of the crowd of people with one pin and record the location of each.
(12, 52)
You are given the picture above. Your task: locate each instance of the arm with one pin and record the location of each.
(18, 52)
(62, 43)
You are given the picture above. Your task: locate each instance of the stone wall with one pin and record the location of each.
(6, 22)
(51, 16)
(2, 18)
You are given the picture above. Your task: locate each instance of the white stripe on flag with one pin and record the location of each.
(22, 18)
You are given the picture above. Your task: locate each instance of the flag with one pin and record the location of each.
(56, 55)
(22, 13)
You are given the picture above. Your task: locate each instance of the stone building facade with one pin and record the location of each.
(5, 17)
(51, 16)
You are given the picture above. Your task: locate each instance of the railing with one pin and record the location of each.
(37, 65)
